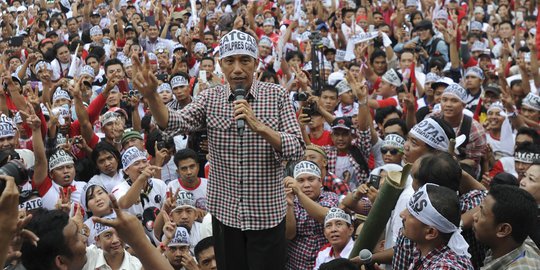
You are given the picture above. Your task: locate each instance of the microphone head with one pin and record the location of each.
(239, 91)
(365, 255)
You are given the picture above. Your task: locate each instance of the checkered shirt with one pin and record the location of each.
(403, 250)
(334, 184)
(525, 257)
(175, 105)
(363, 142)
(442, 258)
(309, 238)
(467, 202)
(245, 187)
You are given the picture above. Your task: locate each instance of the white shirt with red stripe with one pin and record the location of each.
(156, 196)
(50, 192)
(199, 192)
(327, 254)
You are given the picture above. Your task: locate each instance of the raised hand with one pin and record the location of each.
(145, 81)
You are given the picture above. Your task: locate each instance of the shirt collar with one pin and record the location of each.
(252, 94)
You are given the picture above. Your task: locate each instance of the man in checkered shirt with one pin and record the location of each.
(245, 194)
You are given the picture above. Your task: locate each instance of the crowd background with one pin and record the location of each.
(375, 84)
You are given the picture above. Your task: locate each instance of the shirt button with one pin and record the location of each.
(241, 200)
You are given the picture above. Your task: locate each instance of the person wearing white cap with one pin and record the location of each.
(338, 230)
(265, 135)
(453, 102)
(307, 206)
(140, 190)
(530, 110)
(347, 106)
(500, 136)
(431, 220)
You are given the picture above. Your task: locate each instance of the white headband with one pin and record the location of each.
(337, 214)
(96, 30)
(7, 127)
(497, 106)
(532, 101)
(60, 94)
(238, 43)
(108, 117)
(306, 167)
(525, 157)
(61, 112)
(58, 159)
(132, 155)
(392, 78)
(31, 204)
(178, 80)
(456, 90)
(181, 238)
(343, 87)
(100, 228)
(184, 199)
(421, 208)
(87, 70)
(431, 133)
(394, 140)
(164, 87)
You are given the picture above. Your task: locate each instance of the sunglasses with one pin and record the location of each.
(393, 152)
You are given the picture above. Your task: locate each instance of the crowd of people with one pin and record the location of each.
(257, 134)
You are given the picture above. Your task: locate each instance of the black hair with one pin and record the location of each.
(338, 264)
(397, 121)
(448, 130)
(110, 62)
(73, 46)
(291, 54)
(446, 202)
(267, 75)
(57, 46)
(55, 19)
(437, 61)
(531, 133)
(528, 147)
(515, 82)
(184, 154)
(377, 53)
(331, 88)
(382, 113)
(208, 58)
(49, 226)
(203, 245)
(507, 22)
(439, 168)
(99, 52)
(414, 14)
(504, 178)
(106, 147)
(522, 219)
(90, 195)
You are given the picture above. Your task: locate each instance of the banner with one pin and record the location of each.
(358, 38)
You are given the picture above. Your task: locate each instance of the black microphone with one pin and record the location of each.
(240, 94)
(365, 258)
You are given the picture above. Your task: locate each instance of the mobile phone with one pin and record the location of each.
(202, 76)
(123, 86)
(161, 145)
(374, 181)
(371, 28)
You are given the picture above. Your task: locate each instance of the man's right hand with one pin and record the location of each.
(145, 81)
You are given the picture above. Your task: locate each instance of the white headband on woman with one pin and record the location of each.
(421, 208)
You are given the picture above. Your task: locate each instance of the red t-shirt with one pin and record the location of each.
(324, 140)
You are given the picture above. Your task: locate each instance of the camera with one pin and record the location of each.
(16, 169)
(132, 93)
(301, 96)
(76, 141)
(309, 109)
(161, 145)
(374, 181)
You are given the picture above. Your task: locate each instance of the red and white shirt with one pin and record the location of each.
(327, 254)
(50, 192)
(198, 192)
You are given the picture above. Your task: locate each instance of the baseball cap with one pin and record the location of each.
(342, 122)
(493, 88)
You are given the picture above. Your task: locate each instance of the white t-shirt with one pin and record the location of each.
(108, 182)
(199, 192)
(168, 171)
(345, 171)
(327, 254)
(96, 260)
(156, 197)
